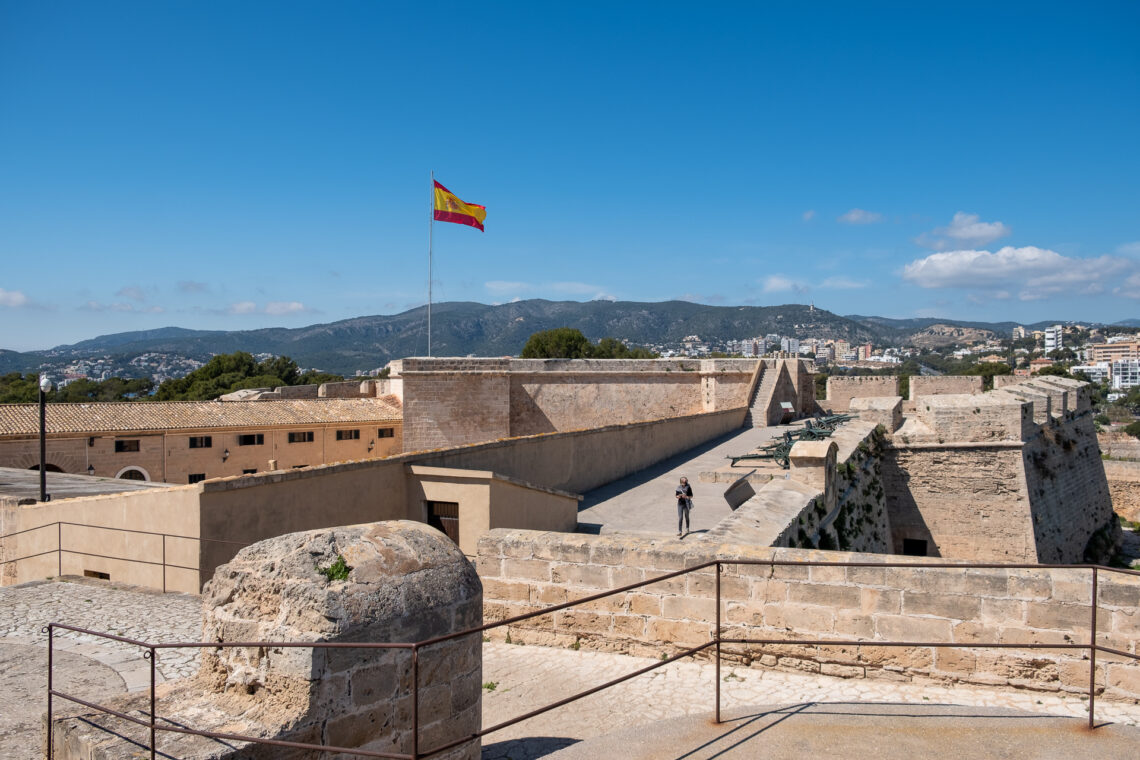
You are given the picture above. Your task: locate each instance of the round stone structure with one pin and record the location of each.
(385, 582)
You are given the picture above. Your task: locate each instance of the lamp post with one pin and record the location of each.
(45, 386)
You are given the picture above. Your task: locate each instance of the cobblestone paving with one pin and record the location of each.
(527, 677)
(131, 612)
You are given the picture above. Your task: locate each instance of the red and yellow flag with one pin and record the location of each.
(448, 208)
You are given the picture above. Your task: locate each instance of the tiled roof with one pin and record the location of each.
(24, 419)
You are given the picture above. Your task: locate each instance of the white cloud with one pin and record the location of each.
(123, 308)
(132, 292)
(242, 307)
(964, 230)
(843, 283)
(860, 216)
(778, 283)
(1035, 273)
(1130, 288)
(809, 215)
(13, 299)
(1129, 249)
(284, 307)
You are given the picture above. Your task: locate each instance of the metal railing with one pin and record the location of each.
(60, 550)
(155, 723)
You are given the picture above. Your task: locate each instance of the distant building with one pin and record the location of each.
(1114, 350)
(1019, 333)
(1097, 372)
(790, 345)
(1125, 374)
(1037, 365)
(1054, 338)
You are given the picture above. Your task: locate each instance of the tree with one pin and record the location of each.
(227, 373)
(559, 343)
(1133, 429)
(1054, 369)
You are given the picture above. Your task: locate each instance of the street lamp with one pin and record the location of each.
(45, 386)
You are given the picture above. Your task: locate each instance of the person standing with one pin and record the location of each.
(684, 494)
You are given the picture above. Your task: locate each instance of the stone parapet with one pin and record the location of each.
(879, 410)
(1124, 485)
(525, 571)
(939, 385)
(841, 389)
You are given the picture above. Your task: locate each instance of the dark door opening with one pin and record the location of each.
(444, 517)
(914, 547)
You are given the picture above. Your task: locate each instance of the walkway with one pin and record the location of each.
(517, 678)
(643, 502)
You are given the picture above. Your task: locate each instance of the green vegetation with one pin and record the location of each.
(337, 571)
(227, 373)
(491, 685)
(1133, 429)
(568, 343)
(24, 389)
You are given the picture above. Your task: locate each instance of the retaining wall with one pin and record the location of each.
(841, 389)
(523, 571)
(922, 385)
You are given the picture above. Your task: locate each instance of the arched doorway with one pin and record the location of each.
(49, 467)
(133, 473)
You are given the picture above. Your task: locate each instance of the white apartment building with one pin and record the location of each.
(1125, 374)
(1098, 372)
(790, 345)
(1053, 338)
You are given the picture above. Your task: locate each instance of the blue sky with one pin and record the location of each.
(240, 165)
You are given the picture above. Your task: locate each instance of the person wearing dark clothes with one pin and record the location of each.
(684, 494)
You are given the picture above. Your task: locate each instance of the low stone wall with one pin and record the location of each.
(840, 390)
(524, 571)
(1124, 485)
(1119, 446)
(922, 385)
(883, 410)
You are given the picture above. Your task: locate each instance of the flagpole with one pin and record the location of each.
(431, 222)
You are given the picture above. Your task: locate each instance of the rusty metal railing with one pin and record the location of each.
(155, 723)
(60, 550)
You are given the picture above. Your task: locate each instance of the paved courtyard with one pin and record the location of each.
(517, 678)
(644, 503)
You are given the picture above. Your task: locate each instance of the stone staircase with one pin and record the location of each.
(758, 404)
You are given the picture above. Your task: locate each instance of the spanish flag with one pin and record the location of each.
(448, 208)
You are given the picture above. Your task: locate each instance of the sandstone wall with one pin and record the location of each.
(454, 408)
(1120, 446)
(524, 571)
(840, 390)
(1124, 486)
(922, 385)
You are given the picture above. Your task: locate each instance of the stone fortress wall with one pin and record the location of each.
(456, 401)
(524, 571)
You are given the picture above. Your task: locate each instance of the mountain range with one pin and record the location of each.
(467, 328)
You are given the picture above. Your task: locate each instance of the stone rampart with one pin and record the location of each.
(1119, 445)
(882, 410)
(1124, 485)
(452, 402)
(525, 571)
(940, 385)
(841, 389)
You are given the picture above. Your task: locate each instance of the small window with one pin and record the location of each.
(96, 574)
(300, 466)
(305, 436)
(196, 477)
(348, 435)
(201, 442)
(386, 433)
(249, 472)
(126, 446)
(914, 547)
(251, 439)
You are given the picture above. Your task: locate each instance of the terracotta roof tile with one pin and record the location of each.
(24, 419)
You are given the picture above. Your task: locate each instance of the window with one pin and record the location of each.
(126, 446)
(305, 436)
(249, 472)
(914, 547)
(251, 439)
(196, 477)
(348, 435)
(201, 442)
(96, 574)
(386, 433)
(300, 466)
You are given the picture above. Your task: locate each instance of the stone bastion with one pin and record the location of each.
(387, 582)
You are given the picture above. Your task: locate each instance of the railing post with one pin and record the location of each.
(717, 634)
(50, 726)
(164, 563)
(152, 667)
(415, 702)
(59, 549)
(1092, 652)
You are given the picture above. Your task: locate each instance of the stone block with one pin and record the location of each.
(685, 608)
(1031, 585)
(629, 625)
(810, 619)
(644, 604)
(941, 605)
(507, 591)
(529, 569)
(1123, 680)
(904, 628)
(1065, 617)
(589, 576)
(1114, 592)
(679, 632)
(880, 600)
(957, 661)
(827, 574)
(867, 576)
(835, 597)
(1003, 611)
(853, 623)
(1126, 622)
(579, 621)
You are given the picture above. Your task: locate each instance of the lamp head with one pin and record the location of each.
(45, 383)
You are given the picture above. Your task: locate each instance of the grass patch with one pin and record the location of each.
(337, 571)
(491, 685)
